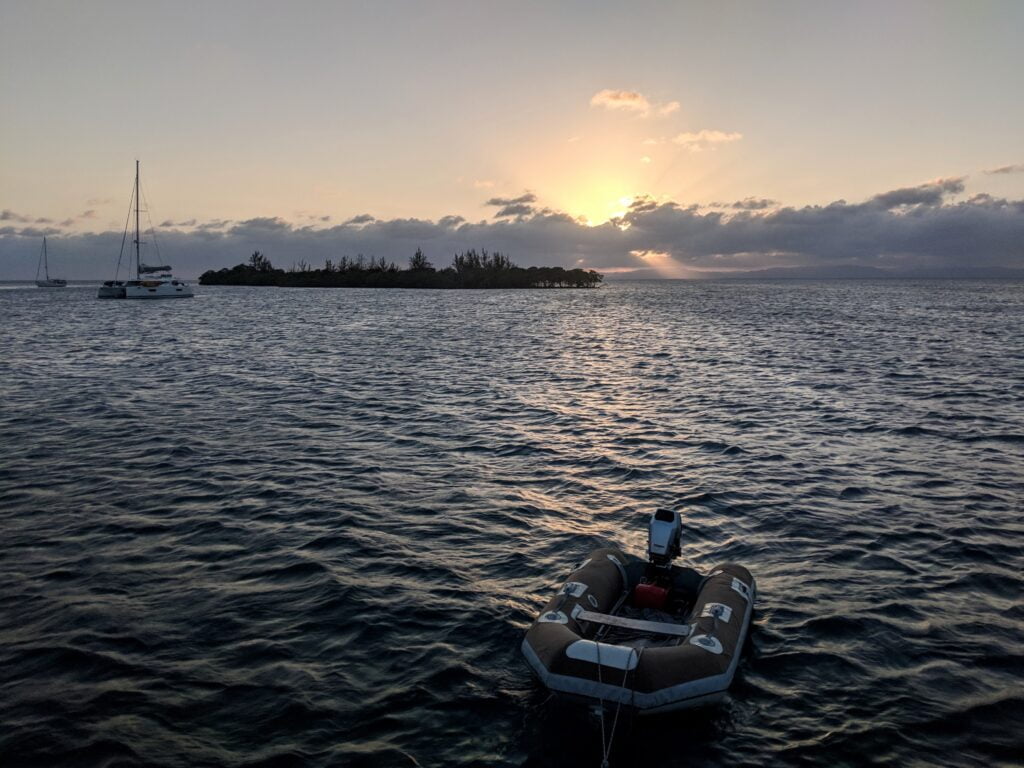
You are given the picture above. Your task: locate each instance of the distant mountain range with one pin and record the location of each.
(838, 272)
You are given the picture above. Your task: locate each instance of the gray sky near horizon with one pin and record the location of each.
(271, 125)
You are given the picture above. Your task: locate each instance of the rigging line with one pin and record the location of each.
(124, 237)
(152, 229)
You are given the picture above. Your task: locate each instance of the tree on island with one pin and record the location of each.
(260, 263)
(418, 262)
(469, 269)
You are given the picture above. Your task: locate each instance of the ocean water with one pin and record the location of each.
(309, 527)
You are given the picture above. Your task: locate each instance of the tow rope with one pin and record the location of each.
(606, 745)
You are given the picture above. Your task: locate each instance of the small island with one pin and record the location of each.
(468, 270)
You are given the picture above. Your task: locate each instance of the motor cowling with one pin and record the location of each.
(664, 537)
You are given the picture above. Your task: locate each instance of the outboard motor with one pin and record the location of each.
(664, 537)
(664, 544)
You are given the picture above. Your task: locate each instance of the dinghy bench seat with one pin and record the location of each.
(640, 625)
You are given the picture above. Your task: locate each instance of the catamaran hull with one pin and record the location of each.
(111, 292)
(149, 293)
(149, 289)
(158, 289)
(51, 284)
(120, 292)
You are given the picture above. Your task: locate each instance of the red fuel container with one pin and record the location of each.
(650, 596)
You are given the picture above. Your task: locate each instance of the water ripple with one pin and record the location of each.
(304, 527)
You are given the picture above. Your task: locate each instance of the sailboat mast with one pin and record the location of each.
(137, 220)
(46, 261)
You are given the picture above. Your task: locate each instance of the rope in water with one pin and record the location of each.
(606, 746)
(600, 705)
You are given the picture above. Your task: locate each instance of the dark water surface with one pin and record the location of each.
(309, 527)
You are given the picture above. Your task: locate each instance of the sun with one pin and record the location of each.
(597, 206)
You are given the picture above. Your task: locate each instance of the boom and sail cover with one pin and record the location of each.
(145, 269)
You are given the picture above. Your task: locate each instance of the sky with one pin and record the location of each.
(655, 139)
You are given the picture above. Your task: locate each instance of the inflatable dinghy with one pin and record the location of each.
(649, 635)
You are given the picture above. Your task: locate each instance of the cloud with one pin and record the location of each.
(213, 225)
(645, 159)
(1018, 168)
(627, 101)
(912, 231)
(363, 218)
(702, 139)
(519, 209)
(931, 193)
(526, 197)
(631, 101)
(9, 215)
(483, 184)
(516, 207)
(262, 224)
(29, 232)
(753, 204)
(642, 204)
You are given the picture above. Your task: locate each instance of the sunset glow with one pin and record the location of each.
(346, 129)
(662, 263)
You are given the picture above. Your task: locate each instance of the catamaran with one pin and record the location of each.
(48, 282)
(158, 282)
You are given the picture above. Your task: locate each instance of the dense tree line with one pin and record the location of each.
(470, 269)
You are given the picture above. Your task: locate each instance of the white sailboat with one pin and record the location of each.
(47, 282)
(151, 282)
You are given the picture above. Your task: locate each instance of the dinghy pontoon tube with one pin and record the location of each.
(645, 634)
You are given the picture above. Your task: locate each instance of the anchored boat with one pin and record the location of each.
(47, 281)
(645, 634)
(159, 283)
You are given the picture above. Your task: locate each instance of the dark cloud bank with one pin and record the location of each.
(911, 232)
